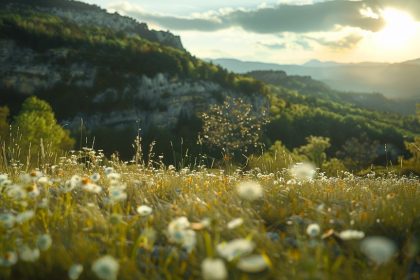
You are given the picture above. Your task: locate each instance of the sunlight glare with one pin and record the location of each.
(400, 28)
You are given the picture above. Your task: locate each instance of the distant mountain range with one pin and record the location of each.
(394, 80)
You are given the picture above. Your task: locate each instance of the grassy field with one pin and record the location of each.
(99, 219)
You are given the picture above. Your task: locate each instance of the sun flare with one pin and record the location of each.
(400, 28)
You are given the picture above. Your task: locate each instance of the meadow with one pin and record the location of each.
(88, 217)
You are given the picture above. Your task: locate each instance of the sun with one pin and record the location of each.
(400, 28)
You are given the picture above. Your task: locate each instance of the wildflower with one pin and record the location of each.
(235, 223)
(116, 195)
(44, 242)
(179, 232)
(250, 190)
(4, 181)
(303, 171)
(91, 188)
(106, 268)
(144, 210)
(108, 170)
(32, 190)
(28, 255)
(3, 177)
(235, 248)
(378, 249)
(7, 220)
(44, 203)
(213, 269)
(25, 216)
(95, 177)
(253, 264)
(75, 271)
(16, 192)
(8, 259)
(43, 180)
(74, 182)
(351, 234)
(113, 176)
(313, 230)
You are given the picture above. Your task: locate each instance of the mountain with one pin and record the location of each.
(107, 72)
(312, 88)
(107, 77)
(394, 80)
(82, 15)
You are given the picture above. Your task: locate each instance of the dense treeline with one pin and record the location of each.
(346, 133)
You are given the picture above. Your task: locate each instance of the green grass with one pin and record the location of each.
(84, 227)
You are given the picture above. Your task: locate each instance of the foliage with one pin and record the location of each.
(234, 126)
(4, 124)
(64, 220)
(315, 149)
(38, 128)
(277, 157)
(359, 153)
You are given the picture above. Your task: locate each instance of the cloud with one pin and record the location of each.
(274, 46)
(347, 42)
(319, 16)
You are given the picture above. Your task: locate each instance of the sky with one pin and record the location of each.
(285, 31)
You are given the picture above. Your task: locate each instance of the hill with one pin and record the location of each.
(106, 81)
(396, 81)
(310, 87)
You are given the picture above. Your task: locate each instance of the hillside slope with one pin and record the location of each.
(397, 81)
(107, 83)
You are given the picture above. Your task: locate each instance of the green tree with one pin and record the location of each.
(358, 153)
(36, 124)
(315, 149)
(233, 126)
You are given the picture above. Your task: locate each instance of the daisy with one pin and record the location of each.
(313, 230)
(8, 259)
(249, 190)
(235, 248)
(144, 210)
(253, 264)
(235, 223)
(213, 269)
(351, 234)
(106, 268)
(75, 271)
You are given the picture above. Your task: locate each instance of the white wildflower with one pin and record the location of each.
(113, 176)
(7, 220)
(235, 223)
(179, 232)
(75, 271)
(235, 248)
(213, 269)
(16, 192)
(106, 268)
(116, 195)
(25, 216)
(250, 190)
(91, 188)
(8, 259)
(378, 249)
(253, 264)
(351, 234)
(313, 230)
(95, 177)
(303, 171)
(144, 210)
(108, 170)
(28, 255)
(44, 242)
